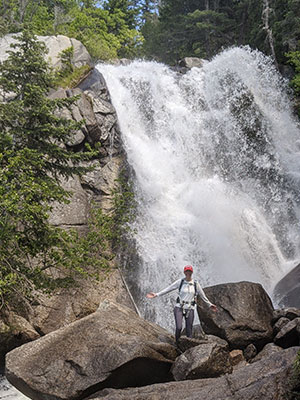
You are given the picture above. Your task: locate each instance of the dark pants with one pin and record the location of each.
(178, 313)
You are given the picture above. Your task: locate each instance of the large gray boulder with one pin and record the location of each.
(267, 379)
(55, 45)
(206, 360)
(184, 343)
(111, 348)
(68, 305)
(244, 314)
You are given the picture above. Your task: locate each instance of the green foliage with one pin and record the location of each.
(73, 78)
(106, 28)
(203, 27)
(69, 76)
(106, 234)
(294, 59)
(33, 159)
(66, 60)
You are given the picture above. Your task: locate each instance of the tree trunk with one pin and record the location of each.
(266, 18)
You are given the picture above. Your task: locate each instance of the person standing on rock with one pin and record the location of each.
(188, 290)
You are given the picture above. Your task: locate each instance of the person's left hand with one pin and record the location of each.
(214, 308)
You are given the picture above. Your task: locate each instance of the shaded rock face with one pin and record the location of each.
(268, 350)
(287, 290)
(250, 352)
(203, 361)
(289, 313)
(185, 343)
(244, 314)
(55, 45)
(14, 331)
(289, 334)
(112, 347)
(100, 128)
(267, 379)
(280, 324)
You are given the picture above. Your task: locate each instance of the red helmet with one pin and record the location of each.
(188, 268)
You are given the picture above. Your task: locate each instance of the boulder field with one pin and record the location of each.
(115, 354)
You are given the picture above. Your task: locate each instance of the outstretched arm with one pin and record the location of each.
(204, 298)
(168, 289)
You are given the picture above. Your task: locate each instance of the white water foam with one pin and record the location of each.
(8, 392)
(215, 155)
(207, 195)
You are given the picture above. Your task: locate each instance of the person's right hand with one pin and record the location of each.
(151, 295)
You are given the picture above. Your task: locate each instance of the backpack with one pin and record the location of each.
(180, 286)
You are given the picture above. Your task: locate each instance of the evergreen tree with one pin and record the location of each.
(33, 159)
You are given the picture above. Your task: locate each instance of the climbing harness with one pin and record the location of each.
(186, 310)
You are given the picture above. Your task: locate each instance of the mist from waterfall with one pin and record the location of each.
(215, 156)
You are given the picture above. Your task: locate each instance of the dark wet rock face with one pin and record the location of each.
(244, 314)
(112, 347)
(287, 290)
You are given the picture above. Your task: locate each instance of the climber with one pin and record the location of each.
(188, 290)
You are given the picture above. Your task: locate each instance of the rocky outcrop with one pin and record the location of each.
(111, 348)
(185, 343)
(287, 290)
(191, 62)
(269, 349)
(55, 45)
(206, 360)
(267, 379)
(99, 129)
(280, 324)
(289, 313)
(244, 314)
(14, 331)
(69, 305)
(289, 334)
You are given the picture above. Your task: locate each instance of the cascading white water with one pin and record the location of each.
(215, 155)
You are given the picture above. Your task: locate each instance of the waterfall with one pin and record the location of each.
(215, 159)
